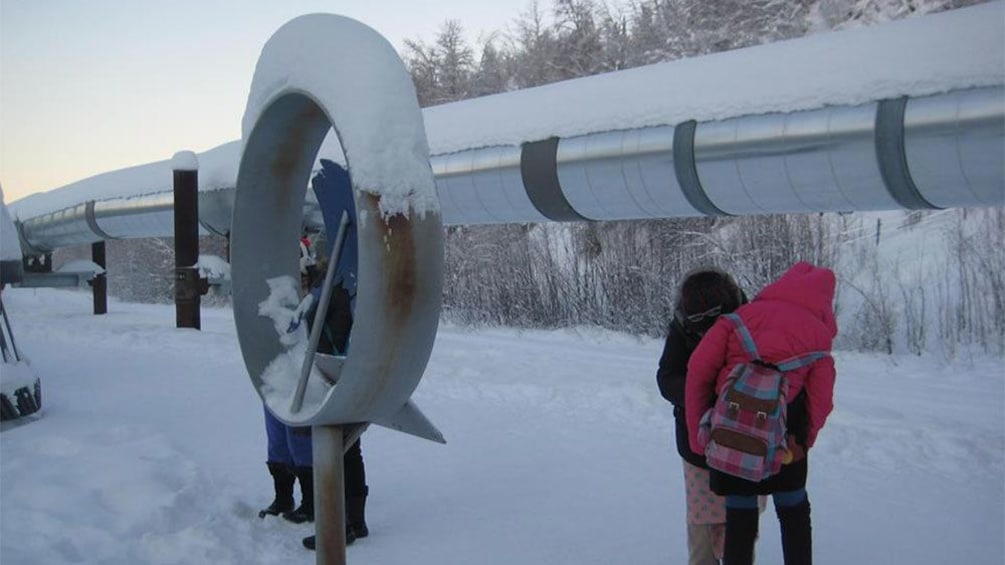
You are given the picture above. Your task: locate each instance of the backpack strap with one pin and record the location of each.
(790, 364)
(793, 363)
(745, 338)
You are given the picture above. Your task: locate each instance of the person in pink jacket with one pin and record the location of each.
(792, 316)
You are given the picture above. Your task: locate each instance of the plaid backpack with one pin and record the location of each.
(744, 432)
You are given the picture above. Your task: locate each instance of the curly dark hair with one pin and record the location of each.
(704, 295)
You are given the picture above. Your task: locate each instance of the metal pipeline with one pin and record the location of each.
(948, 147)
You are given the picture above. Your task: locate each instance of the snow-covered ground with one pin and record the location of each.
(150, 449)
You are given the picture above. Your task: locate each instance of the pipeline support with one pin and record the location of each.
(186, 241)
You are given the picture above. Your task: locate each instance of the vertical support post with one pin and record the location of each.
(329, 495)
(99, 285)
(186, 239)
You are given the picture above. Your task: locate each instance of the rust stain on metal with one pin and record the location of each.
(400, 284)
(399, 262)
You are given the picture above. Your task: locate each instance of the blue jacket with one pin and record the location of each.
(333, 189)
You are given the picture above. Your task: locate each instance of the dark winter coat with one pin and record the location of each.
(333, 189)
(338, 320)
(790, 317)
(671, 376)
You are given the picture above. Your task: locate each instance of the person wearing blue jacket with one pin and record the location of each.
(290, 452)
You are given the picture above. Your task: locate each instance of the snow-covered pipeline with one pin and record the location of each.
(908, 115)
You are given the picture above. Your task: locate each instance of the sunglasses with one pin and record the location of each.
(710, 313)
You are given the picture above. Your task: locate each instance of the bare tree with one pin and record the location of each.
(534, 48)
(441, 72)
(492, 75)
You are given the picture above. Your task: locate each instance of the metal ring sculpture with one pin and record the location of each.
(319, 72)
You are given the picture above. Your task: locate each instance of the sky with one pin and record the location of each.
(150, 448)
(89, 87)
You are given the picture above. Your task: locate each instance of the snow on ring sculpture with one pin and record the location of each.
(317, 72)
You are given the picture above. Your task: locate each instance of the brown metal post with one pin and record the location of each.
(329, 495)
(99, 285)
(186, 240)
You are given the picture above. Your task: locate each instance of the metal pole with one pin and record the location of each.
(186, 239)
(319, 316)
(99, 285)
(329, 495)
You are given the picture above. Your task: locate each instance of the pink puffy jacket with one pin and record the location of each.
(791, 316)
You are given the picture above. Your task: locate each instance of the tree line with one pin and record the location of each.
(576, 38)
(623, 275)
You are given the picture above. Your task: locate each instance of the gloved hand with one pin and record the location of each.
(298, 315)
(793, 451)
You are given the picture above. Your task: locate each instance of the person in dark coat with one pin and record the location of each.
(792, 316)
(333, 188)
(704, 295)
(337, 325)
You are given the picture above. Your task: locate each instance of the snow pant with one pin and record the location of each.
(292, 447)
(288, 445)
(700, 545)
(355, 472)
(793, 510)
(706, 517)
(290, 458)
(355, 490)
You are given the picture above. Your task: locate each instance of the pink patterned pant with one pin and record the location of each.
(706, 510)
(706, 517)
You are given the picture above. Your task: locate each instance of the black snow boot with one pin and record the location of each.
(355, 514)
(797, 534)
(304, 512)
(311, 541)
(282, 480)
(741, 533)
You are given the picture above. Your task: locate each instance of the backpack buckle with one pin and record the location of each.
(734, 407)
(762, 416)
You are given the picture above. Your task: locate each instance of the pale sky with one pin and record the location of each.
(88, 87)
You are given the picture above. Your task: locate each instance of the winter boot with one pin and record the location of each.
(304, 512)
(741, 533)
(797, 535)
(355, 521)
(311, 541)
(282, 480)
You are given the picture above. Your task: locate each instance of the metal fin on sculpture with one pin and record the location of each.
(410, 420)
